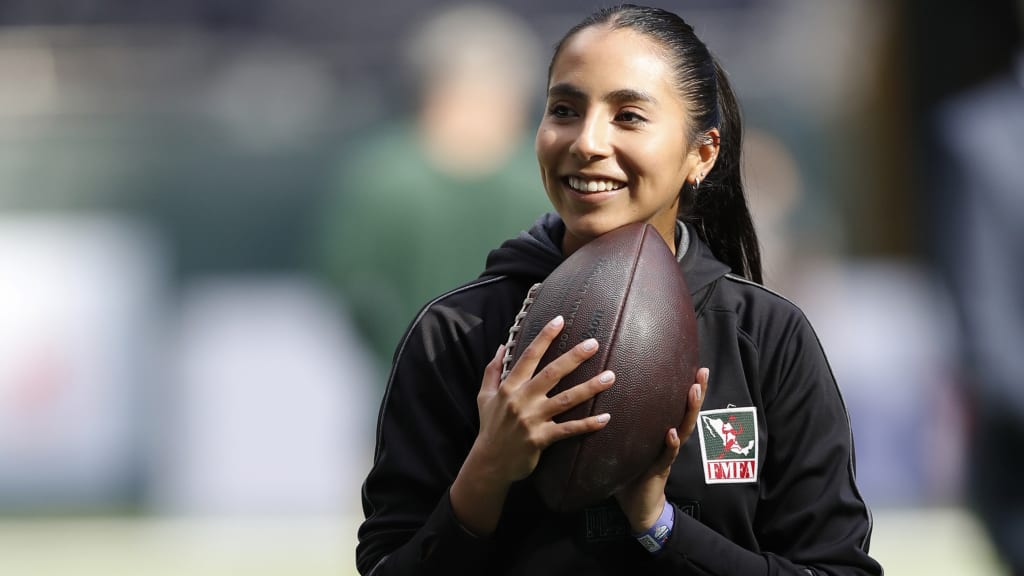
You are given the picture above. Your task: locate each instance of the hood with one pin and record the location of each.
(536, 253)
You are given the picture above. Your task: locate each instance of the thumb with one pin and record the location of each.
(663, 465)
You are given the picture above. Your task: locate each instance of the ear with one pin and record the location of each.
(707, 154)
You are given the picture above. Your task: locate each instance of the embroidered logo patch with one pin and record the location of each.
(728, 445)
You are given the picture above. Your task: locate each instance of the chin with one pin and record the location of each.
(585, 228)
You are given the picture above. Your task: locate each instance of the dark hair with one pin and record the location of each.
(718, 210)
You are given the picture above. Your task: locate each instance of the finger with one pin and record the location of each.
(531, 356)
(492, 373)
(558, 368)
(578, 394)
(695, 400)
(563, 430)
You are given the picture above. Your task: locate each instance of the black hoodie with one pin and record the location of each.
(764, 485)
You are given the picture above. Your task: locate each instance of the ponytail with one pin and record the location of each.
(719, 208)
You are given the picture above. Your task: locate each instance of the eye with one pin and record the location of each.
(561, 111)
(629, 117)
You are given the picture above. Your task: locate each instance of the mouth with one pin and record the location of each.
(592, 185)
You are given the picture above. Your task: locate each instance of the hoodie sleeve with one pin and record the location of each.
(426, 426)
(810, 518)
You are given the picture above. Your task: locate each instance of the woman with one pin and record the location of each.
(640, 125)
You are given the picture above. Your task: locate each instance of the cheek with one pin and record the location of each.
(670, 161)
(546, 144)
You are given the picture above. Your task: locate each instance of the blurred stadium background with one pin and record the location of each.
(188, 378)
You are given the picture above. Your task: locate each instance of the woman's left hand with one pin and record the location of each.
(643, 500)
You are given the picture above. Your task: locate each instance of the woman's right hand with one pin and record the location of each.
(517, 424)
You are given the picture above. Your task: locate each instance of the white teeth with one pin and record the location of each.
(584, 185)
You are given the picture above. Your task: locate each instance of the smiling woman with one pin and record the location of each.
(640, 126)
(614, 144)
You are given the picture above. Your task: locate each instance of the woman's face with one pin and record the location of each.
(613, 146)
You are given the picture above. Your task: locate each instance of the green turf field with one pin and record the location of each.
(907, 542)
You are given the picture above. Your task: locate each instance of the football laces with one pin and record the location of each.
(513, 332)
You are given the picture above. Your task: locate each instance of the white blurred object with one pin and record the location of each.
(887, 329)
(270, 410)
(79, 302)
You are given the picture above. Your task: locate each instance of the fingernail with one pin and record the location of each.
(606, 377)
(602, 418)
(674, 434)
(698, 393)
(557, 321)
(589, 344)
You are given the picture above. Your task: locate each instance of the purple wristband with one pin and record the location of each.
(655, 537)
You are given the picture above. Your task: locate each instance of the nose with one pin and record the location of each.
(592, 141)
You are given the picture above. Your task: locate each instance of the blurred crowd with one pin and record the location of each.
(218, 218)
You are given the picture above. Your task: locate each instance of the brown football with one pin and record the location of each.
(625, 289)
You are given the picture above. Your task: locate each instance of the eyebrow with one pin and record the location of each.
(620, 96)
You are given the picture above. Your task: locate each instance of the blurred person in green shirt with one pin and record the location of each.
(416, 205)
